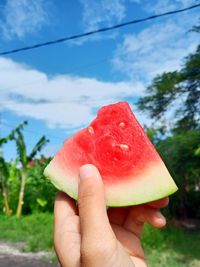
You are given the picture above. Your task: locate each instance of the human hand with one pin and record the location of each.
(88, 236)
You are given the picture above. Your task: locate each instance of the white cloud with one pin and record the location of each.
(161, 6)
(102, 12)
(21, 17)
(61, 101)
(158, 48)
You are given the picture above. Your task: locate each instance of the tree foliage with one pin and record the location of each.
(196, 28)
(173, 102)
(177, 92)
(16, 173)
(178, 153)
(24, 159)
(40, 193)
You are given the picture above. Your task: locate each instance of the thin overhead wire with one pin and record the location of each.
(81, 35)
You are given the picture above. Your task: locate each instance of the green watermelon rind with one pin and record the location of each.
(136, 200)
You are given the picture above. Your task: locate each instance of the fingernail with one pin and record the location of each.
(86, 171)
(160, 219)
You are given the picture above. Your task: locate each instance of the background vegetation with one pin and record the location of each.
(169, 247)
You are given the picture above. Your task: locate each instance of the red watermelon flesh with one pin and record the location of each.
(132, 171)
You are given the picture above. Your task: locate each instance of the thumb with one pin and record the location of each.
(94, 221)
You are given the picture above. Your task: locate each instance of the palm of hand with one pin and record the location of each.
(126, 223)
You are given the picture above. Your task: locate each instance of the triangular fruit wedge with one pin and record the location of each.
(132, 171)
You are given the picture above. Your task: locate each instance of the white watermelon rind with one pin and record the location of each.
(153, 184)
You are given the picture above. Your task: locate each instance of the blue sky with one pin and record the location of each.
(59, 88)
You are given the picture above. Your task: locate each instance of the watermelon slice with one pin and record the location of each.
(132, 171)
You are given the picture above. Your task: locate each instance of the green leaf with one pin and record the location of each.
(4, 168)
(21, 147)
(37, 148)
(42, 202)
(197, 151)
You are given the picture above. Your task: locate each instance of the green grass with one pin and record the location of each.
(35, 231)
(169, 247)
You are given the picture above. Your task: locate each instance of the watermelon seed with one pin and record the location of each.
(122, 125)
(124, 147)
(91, 130)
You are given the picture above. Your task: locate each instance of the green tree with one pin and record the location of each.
(167, 88)
(178, 152)
(3, 180)
(10, 179)
(40, 193)
(177, 95)
(24, 159)
(4, 169)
